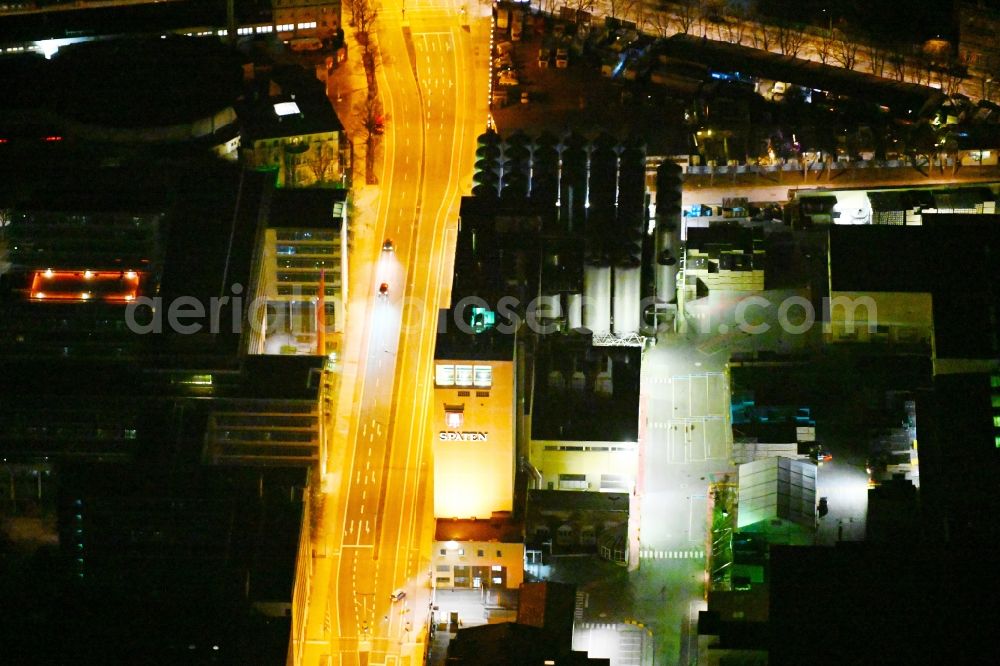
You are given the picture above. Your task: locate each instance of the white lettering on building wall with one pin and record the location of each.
(452, 436)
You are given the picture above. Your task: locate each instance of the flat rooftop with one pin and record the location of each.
(309, 208)
(502, 530)
(600, 406)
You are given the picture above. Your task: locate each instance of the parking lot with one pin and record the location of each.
(574, 97)
(690, 411)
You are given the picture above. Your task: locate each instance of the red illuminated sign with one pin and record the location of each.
(81, 286)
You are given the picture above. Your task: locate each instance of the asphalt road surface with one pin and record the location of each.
(378, 530)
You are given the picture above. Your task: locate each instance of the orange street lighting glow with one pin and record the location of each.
(112, 286)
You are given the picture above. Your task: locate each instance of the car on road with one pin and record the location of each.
(388, 246)
(398, 595)
(383, 290)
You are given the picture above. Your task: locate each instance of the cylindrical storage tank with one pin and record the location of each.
(669, 188)
(574, 311)
(627, 290)
(597, 299)
(548, 306)
(668, 249)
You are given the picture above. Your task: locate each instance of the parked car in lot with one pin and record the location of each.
(562, 58)
(508, 78)
(544, 56)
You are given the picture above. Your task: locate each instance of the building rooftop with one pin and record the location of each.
(511, 644)
(145, 82)
(465, 529)
(137, 83)
(168, 553)
(777, 488)
(575, 500)
(186, 234)
(723, 56)
(953, 257)
(731, 237)
(859, 603)
(308, 208)
(150, 17)
(584, 393)
(879, 258)
(960, 456)
(453, 344)
(291, 114)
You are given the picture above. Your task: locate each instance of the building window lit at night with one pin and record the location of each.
(444, 375)
(483, 375)
(463, 375)
(453, 418)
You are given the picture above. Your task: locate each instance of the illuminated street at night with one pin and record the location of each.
(498, 333)
(383, 547)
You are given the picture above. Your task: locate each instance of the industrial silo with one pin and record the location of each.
(668, 230)
(597, 298)
(574, 311)
(626, 298)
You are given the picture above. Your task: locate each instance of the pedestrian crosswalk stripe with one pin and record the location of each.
(651, 554)
(596, 625)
